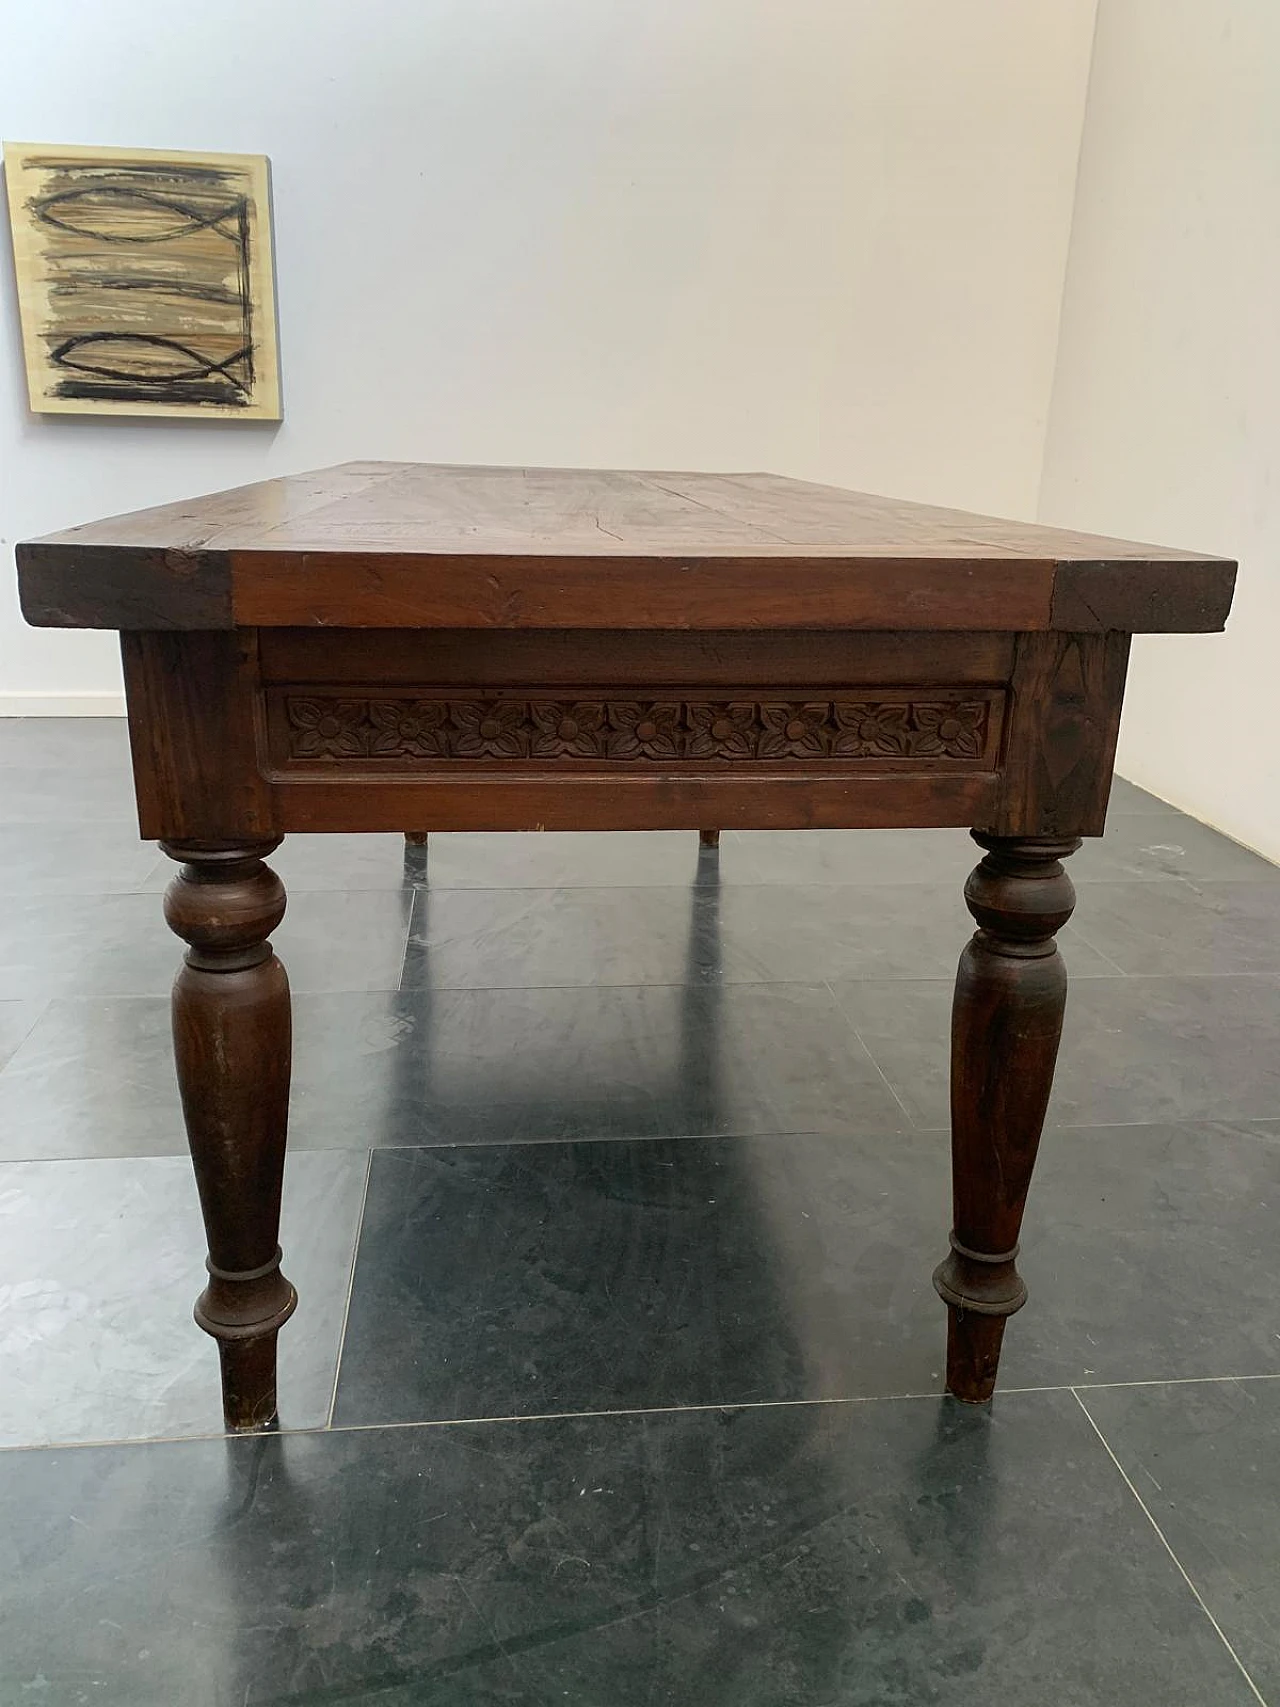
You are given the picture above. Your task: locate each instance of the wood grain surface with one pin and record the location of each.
(402, 545)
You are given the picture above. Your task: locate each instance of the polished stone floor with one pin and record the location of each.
(618, 1171)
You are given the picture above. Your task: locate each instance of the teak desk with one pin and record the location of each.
(389, 646)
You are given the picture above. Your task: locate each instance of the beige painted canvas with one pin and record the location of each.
(145, 281)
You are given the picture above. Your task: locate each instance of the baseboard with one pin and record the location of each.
(61, 705)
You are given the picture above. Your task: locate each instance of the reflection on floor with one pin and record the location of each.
(618, 1170)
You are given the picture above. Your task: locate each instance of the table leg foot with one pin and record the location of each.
(709, 838)
(973, 1354)
(232, 1047)
(1011, 991)
(248, 1382)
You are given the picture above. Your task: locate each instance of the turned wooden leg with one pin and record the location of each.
(232, 1040)
(709, 838)
(1011, 990)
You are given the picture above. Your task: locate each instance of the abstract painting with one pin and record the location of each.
(144, 281)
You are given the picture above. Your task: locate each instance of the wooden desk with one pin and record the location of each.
(388, 646)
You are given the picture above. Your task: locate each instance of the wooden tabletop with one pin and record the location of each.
(407, 545)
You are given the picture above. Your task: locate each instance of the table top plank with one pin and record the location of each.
(378, 544)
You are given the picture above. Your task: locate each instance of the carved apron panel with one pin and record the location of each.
(358, 732)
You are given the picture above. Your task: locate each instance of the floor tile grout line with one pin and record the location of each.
(137, 1440)
(47, 997)
(408, 938)
(315, 1429)
(149, 884)
(867, 1051)
(351, 1286)
(1157, 1381)
(1102, 955)
(946, 980)
(721, 1408)
(1243, 1127)
(738, 1136)
(643, 1411)
(846, 1399)
(1182, 1570)
(779, 1133)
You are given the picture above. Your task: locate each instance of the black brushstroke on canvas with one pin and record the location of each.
(187, 172)
(196, 200)
(166, 287)
(154, 391)
(191, 218)
(198, 367)
(246, 291)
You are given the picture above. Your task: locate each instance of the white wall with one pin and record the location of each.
(1166, 410)
(822, 236)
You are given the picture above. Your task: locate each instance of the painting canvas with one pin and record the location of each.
(144, 281)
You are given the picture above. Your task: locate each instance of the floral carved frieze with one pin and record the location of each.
(648, 730)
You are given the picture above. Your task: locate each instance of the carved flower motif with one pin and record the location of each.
(949, 731)
(650, 731)
(328, 728)
(722, 731)
(407, 728)
(794, 731)
(867, 730)
(567, 731)
(493, 729)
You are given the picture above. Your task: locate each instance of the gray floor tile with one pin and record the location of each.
(550, 860)
(861, 1555)
(93, 1079)
(942, 857)
(1180, 927)
(329, 863)
(100, 1263)
(1135, 846)
(344, 941)
(523, 1279)
(741, 934)
(1147, 845)
(513, 1065)
(56, 745)
(58, 859)
(119, 945)
(16, 1021)
(1133, 1049)
(96, 1078)
(1127, 799)
(1203, 1458)
(86, 945)
(895, 931)
(1150, 1253)
(722, 1271)
(569, 860)
(81, 799)
(529, 938)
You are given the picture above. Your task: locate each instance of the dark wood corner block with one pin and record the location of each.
(397, 647)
